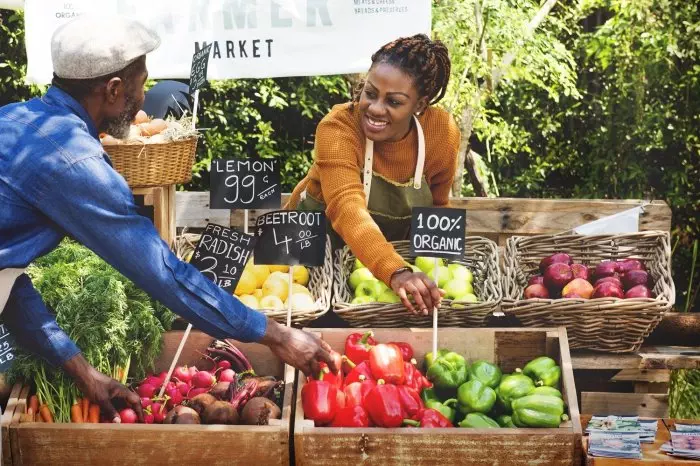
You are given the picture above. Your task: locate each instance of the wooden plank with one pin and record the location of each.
(649, 357)
(5, 422)
(628, 404)
(487, 216)
(642, 375)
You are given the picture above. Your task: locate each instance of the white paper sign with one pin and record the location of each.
(251, 38)
(626, 221)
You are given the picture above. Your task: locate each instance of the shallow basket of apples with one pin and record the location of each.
(610, 291)
(472, 288)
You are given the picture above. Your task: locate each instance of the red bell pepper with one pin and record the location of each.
(337, 378)
(410, 400)
(383, 404)
(356, 392)
(414, 377)
(319, 399)
(428, 418)
(359, 373)
(351, 416)
(386, 363)
(406, 349)
(357, 346)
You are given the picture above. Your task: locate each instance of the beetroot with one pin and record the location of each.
(182, 374)
(146, 390)
(128, 416)
(197, 391)
(159, 412)
(224, 364)
(219, 390)
(259, 411)
(554, 258)
(227, 375)
(200, 402)
(203, 379)
(182, 415)
(634, 278)
(220, 412)
(146, 402)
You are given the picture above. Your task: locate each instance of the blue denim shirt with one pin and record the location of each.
(55, 180)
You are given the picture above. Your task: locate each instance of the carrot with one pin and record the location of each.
(84, 406)
(94, 414)
(76, 414)
(34, 403)
(46, 415)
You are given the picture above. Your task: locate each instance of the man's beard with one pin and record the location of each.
(119, 126)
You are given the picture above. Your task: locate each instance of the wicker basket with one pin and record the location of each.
(603, 324)
(481, 257)
(320, 283)
(144, 165)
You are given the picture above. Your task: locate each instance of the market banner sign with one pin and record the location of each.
(249, 38)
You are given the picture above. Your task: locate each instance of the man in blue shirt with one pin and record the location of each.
(55, 180)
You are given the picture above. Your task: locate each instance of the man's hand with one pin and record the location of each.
(100, 388)
(297, 348)
(425, 292)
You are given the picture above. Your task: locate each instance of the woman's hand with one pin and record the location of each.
(425, 292)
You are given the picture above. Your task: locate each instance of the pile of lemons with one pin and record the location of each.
(267, 287)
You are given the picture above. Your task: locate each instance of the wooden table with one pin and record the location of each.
(651, 452)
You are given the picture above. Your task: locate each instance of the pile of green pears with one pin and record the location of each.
(455, 279)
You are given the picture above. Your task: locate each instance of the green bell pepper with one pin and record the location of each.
(479, 421)
(538, 411)
(429, 358)
(544, 371)
(545, 390)
(505, 420)
(475, 397)
(428, 394)
(448, 371)
(486, 372)
(512, 387)
(444, 407)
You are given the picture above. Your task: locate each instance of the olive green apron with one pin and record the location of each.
(388, 202)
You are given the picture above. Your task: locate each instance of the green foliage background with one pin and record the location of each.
(602, 101)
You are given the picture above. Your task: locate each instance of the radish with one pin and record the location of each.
(146, 390)
(174, 397)
(183, 388)
(197, 391)
(159, 412)
(146, 402)
(148, 418)
(152, 380)
(193, 370)
(203, 379)
(162, 376)
(128, 416)
(224, 364)
(227, 375)
(182, 374)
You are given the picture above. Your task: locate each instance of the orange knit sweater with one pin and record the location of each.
(335, 177)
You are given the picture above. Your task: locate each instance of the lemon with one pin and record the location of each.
(297, 288)
(188, 258)
(261, 273)
(271, 302)
(258, 294)
(302, 302)
(249, 300)
(300, 275)
(247, 283)
(276, 285)
(279, 268)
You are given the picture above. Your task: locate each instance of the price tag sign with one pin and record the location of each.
(245, 184)
(438, 232)
(7, 348)
(198, 72)
(222, 253)
(291, 237)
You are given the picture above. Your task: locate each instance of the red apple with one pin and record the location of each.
(579, 271)
(634, 278)
(573, 295)
(557, 276)
(614, 280)
(606, 269)
(591, 272)
(554, 258)
(639, 291)
(578, 286)
(536, 280)
(536, 291)
(608, 290)
(626, 265)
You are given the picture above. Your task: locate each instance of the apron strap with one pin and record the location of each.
(369, 156)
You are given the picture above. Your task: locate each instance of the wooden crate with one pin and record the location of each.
(6, 419)
(510, 349)
(158, 204)
(113, 444)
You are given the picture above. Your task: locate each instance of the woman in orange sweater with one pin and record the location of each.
(383, 153)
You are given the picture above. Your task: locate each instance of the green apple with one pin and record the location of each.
(467, 298)
(359, 276)
(358, 265)
(443, 276)
(372, 288)
(361, 300)
(389, 297)
(426, 264)
(461, 272)
(382, 287)
(456, 287)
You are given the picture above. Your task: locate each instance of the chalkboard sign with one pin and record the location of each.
(437, 232)
(222, 253)
(245, 184)
(198, 72)
(291, 237)
(7, 348)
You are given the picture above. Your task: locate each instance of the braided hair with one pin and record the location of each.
(426, 61)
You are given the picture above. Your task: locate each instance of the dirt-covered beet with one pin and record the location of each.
(220, 412)
(182, 415)
(219, 390)
(259, 411)
(200, 402)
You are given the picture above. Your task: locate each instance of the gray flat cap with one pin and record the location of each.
(91, 46)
